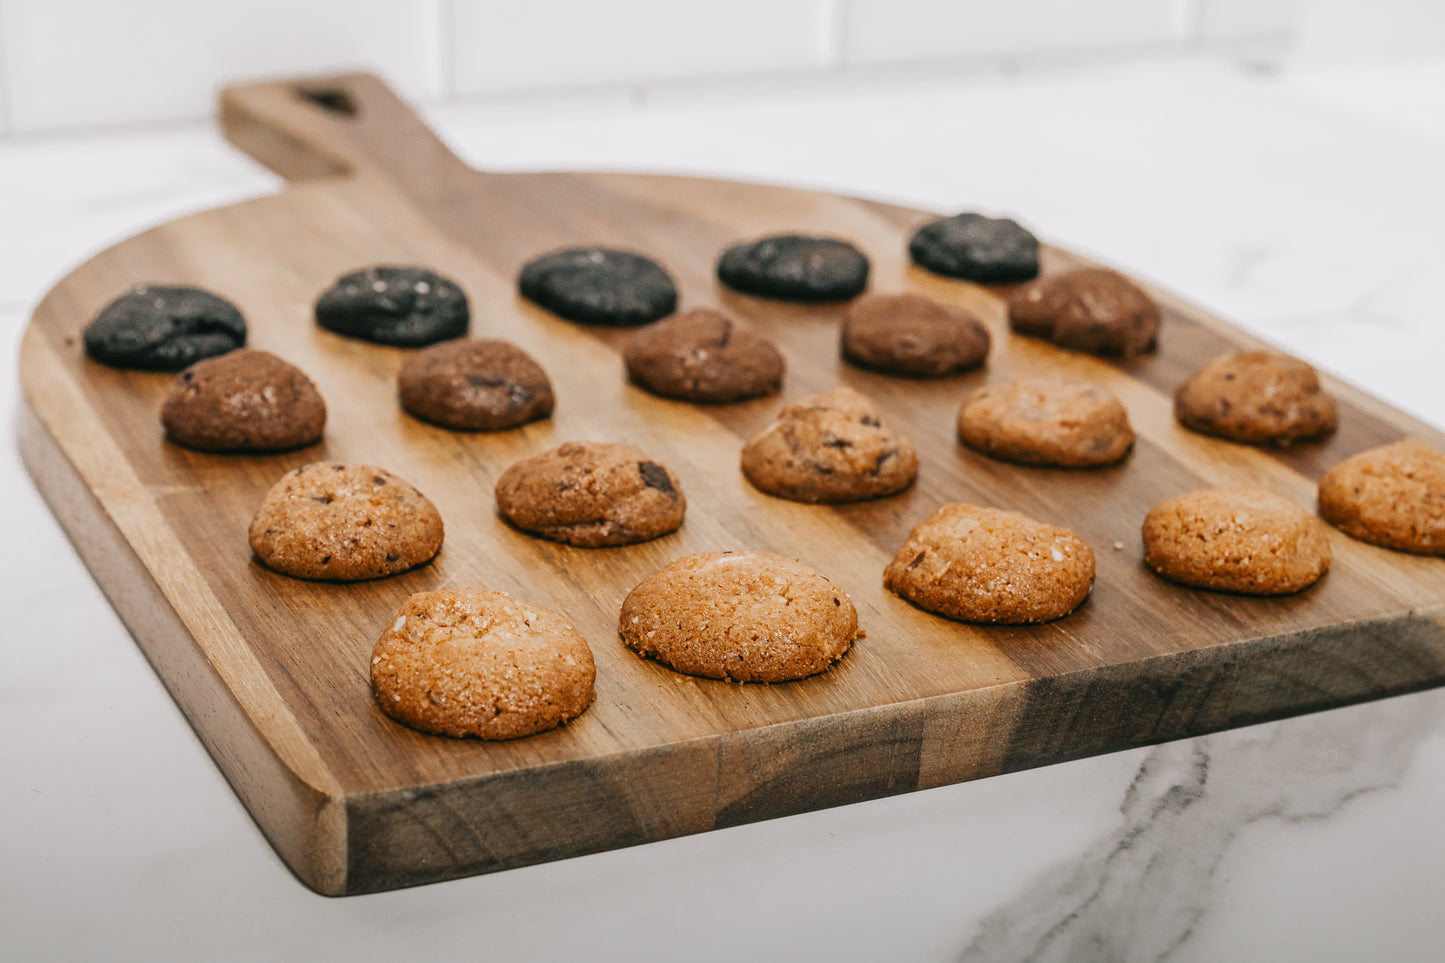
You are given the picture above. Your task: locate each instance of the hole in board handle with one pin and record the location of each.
(333, 100)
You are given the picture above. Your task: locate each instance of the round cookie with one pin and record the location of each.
(742, 616)
(1091, 309)
(978, 564)
(598, 285)
(344, 523)
(793, 267)
(592, 494)
(405, 307)
(832, 447)
(976, 248)
(164, 328)
(478, 385)
(1257, 397)
(1062, 422)
(1393, 496)
(470, 663)
(243, 400)
(910, 334)
(1236, 540)
(701, 355)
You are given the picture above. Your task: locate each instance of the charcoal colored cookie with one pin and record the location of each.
(978, 564)
(1393, 496)
(405, 307)
(832, 447)
(1063, 422)
(164, 328)
(1091, 309)
(703, 355)
(1257, 397)
(344, 523)
(910, 334)
(591, 494)
(1236, 540)
(743, 616)
(976, 248)
(598, 285)
(474, 385)
(793, 267)
(463, 662)
(244, 400)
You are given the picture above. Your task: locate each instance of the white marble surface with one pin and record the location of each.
(1287, 204)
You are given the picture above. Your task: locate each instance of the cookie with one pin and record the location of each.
(978, 564)
(164, 328)
(742, 616)
(793, 267)
(479, 385)
(244, 400)
(344, 523)
(832, 447)
(910, 334)
(1257, 397)
(592, 494)
(1393, 495)
(976, 248)
(701, 355)
(1236, 540)
(1062, 422)
(470, 663)
(405, 307)
(598, 285)
(1091, 309)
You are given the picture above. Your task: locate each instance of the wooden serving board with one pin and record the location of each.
(273, 672)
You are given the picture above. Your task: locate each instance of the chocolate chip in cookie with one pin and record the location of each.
(164, 328)
(795, 267)
(405, 307)
(703, 355)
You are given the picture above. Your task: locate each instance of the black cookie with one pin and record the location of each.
(402, 306)
(976, 248)
(792, 267)
(599, 285)
(157, 328)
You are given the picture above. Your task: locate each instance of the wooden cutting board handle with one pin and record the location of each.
(337, 125)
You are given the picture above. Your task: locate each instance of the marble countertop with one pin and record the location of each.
(1303, 205)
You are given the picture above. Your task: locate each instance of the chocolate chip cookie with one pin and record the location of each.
(243, 400)
(1063, 422)
(1257, 397)
(405, 307)
(1091, 309)
(164, 328)
(976, 248)
(599, 285)
(794, 267)
(1393, 495)
(703, 355)
(910, 334)
(476, 385)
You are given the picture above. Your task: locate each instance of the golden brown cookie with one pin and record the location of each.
(702, 355)
(1258, 397)
(979, 564)
(1392, 496)
(1047, 421)
(244, 400)
(744, 616)
(471, 663)
(478, 385)
(1236, 540)
(1091, 309)
(344, 523)
(910, 334)
(592, 494)
(832, 447)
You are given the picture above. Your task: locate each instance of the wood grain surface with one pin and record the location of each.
(273, 672)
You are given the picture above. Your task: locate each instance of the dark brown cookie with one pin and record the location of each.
(1258, 397)
(979, 564)
(1091, 309)
(344, 523)
(913, 335)
(245, 400)
(484, 664)
(479, 385)
(702, 355)
(744, 616)
(832, 447)
(1393, 495)
(1236, 540)
(976, 248)
(156, 327)
(403, 306)
(1046, 421)
(592, 494)
(795, 267)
